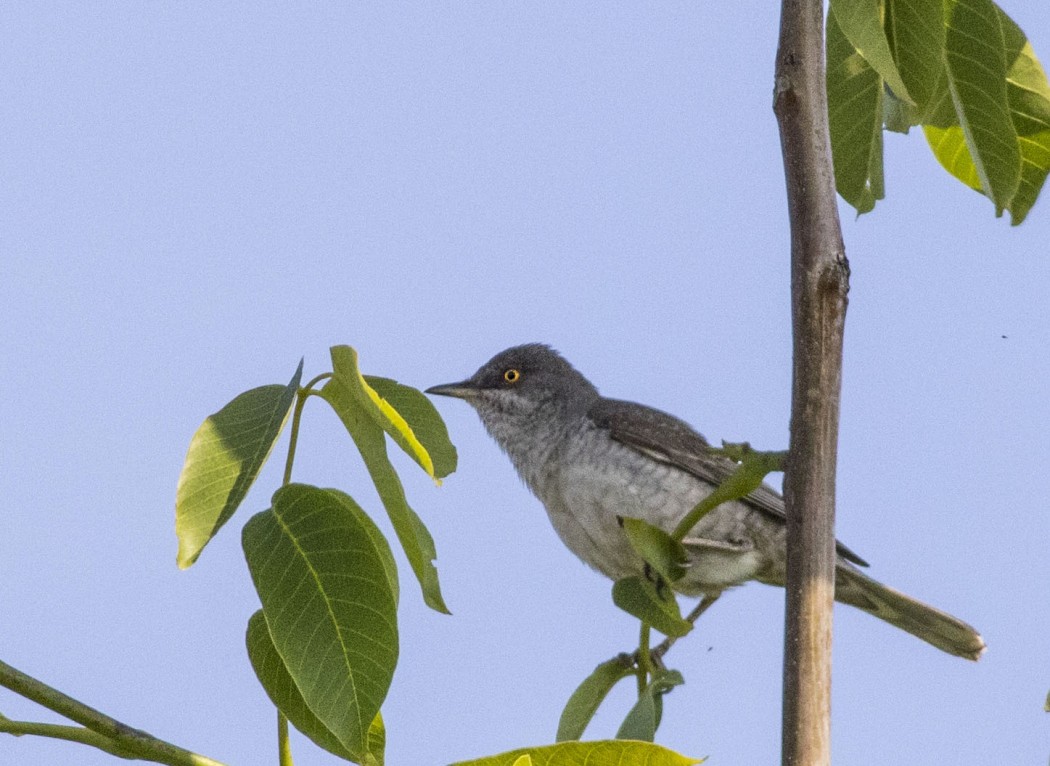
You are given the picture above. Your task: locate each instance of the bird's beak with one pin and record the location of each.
(463, 390)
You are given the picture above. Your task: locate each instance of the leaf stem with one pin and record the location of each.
(284, 746)
(645, 662)
(297, 414)
(100, 730)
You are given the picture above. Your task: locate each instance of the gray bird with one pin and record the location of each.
(591, 460)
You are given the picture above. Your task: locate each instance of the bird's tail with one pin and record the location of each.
(933, 626)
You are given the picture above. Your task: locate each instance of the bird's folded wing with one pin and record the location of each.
(671, 440)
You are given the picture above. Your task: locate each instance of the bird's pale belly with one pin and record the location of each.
(585, 501)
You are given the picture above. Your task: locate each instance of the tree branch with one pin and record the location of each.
(122, 739)
(819, 285)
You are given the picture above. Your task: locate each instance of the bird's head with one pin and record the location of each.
(523, 387)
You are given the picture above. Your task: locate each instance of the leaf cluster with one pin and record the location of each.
(961, 69)
(324, 645)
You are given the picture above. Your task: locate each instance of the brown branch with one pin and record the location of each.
(819, 284)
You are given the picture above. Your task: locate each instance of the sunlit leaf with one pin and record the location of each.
(602, 753)
(423, 418)
(413, 535)
(322, 571)
(345, 367)
(584, 702)
(224, 458)
(640, 598)
(376, 742)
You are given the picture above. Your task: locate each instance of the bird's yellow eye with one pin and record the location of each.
(511, 376)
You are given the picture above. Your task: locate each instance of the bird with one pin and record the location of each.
(592, 461)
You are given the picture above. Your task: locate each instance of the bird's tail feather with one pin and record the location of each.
(933, 626)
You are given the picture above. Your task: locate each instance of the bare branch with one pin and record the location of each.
(819, 285)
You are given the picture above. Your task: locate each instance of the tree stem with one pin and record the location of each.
(819, 286)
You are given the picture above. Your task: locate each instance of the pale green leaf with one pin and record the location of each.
(949, 147)
(855, 120)
(584, 702)
(423, 418)
(224, 458)
(322, 571)
(643, 719)
(640, 598)
(976, 57)
(281, 689)
(413, 535)
(601, 753)
(861, 23)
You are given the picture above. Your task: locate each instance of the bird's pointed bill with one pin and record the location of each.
(462, 390)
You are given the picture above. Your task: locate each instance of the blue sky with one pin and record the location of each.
(196, 195)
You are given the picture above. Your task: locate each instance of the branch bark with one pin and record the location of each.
(819, 286)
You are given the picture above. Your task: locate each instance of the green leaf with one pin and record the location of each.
(661, 551)
(854, 120)
(897, 115)
(416, 540)
(915, 32)
(976, 57)
(601, 753)
(1028, 97)
(643, 719)
(224, 458)
(281, 689)
(323, 573)
(589, 695)
(376, 742)
(423, 418)
(950, 149)
(640, 598)
(860, 21)
(1046, 707)
(1029, 94)
(743, 481)
(345, 367)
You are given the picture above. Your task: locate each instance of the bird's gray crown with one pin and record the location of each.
(536, 372)
(528, 397)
